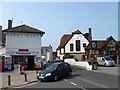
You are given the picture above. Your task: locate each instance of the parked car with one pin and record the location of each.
(106, 61)
(51, 62)
(55, 71)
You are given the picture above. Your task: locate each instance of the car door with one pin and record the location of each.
(103, 61)
(61, 70)
(66, 68)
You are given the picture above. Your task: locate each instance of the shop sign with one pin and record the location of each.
(17, 68)
(25, 53)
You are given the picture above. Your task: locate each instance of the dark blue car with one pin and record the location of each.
(55, 71)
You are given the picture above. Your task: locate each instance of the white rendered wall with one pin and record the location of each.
(31, 41)
(73, 41)
(59, 55)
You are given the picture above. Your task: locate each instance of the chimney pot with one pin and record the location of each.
(9, 24)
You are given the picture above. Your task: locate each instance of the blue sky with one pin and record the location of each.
(59, 18)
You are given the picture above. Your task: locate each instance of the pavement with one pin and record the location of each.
(17, 79)
(108, 70)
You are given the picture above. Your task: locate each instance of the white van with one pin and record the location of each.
(106, 61)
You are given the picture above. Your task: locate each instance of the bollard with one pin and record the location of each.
(9, 80)
(36, 73)
(25, 77)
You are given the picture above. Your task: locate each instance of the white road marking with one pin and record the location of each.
(27, 85)
(73, 83)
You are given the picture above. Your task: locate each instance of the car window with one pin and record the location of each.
(66, 65)
(60, 67)
(103, 59)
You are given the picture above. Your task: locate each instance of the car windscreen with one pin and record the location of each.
(108, 59)
(52, 67)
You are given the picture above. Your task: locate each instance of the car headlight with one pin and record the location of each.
(48, 74)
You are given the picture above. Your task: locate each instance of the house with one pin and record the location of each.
(46, 53)
(22, 46)
(108, 47)
(72, 45)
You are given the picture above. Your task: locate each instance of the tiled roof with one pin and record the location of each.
(24, 29)
(99, 44)
(76, 32)
(64, 40)
(102, 43)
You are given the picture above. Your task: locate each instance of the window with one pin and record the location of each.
(71, 47)
(84, 44)
(77, 45)
(111, 48)
(94, 45)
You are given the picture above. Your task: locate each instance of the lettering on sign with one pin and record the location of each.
(23, 53)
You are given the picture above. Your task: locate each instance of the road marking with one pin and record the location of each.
(73, 83)
(27, 85)
(92, 82)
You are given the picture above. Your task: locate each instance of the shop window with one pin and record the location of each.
(77, 45)
(71, 47)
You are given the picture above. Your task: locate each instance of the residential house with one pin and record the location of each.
(22, 46)
(98, 48)
(72, 45)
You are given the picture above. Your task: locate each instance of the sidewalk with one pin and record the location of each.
(17, 79)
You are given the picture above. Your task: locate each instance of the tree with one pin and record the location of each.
(86, 35)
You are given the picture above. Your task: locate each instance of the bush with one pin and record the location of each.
(82, 59)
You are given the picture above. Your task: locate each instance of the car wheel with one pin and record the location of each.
(70, 73)
(55, 78)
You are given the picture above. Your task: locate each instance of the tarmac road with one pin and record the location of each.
(81, 79)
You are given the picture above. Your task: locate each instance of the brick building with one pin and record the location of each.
(108, 47)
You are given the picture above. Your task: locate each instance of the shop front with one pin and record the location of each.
(24, 61)
(27, 59)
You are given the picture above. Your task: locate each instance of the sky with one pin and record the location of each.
(59, 18)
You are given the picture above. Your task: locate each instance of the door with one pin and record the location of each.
(30, 63)
(61, 70)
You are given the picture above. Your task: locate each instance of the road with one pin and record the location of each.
(80, 79)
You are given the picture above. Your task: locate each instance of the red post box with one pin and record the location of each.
(22, 70)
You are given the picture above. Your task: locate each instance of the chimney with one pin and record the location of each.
(0, 35)
(90, 35)
(9, 24)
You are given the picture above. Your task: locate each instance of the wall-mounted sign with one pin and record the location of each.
(22, 53)
(27, 53)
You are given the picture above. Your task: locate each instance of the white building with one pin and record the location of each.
(46, 53)
(22, 46)
(72, 44)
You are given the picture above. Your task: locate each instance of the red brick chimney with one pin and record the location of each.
(9, 24)
(90, 35)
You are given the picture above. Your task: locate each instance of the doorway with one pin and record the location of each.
(30, 63)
